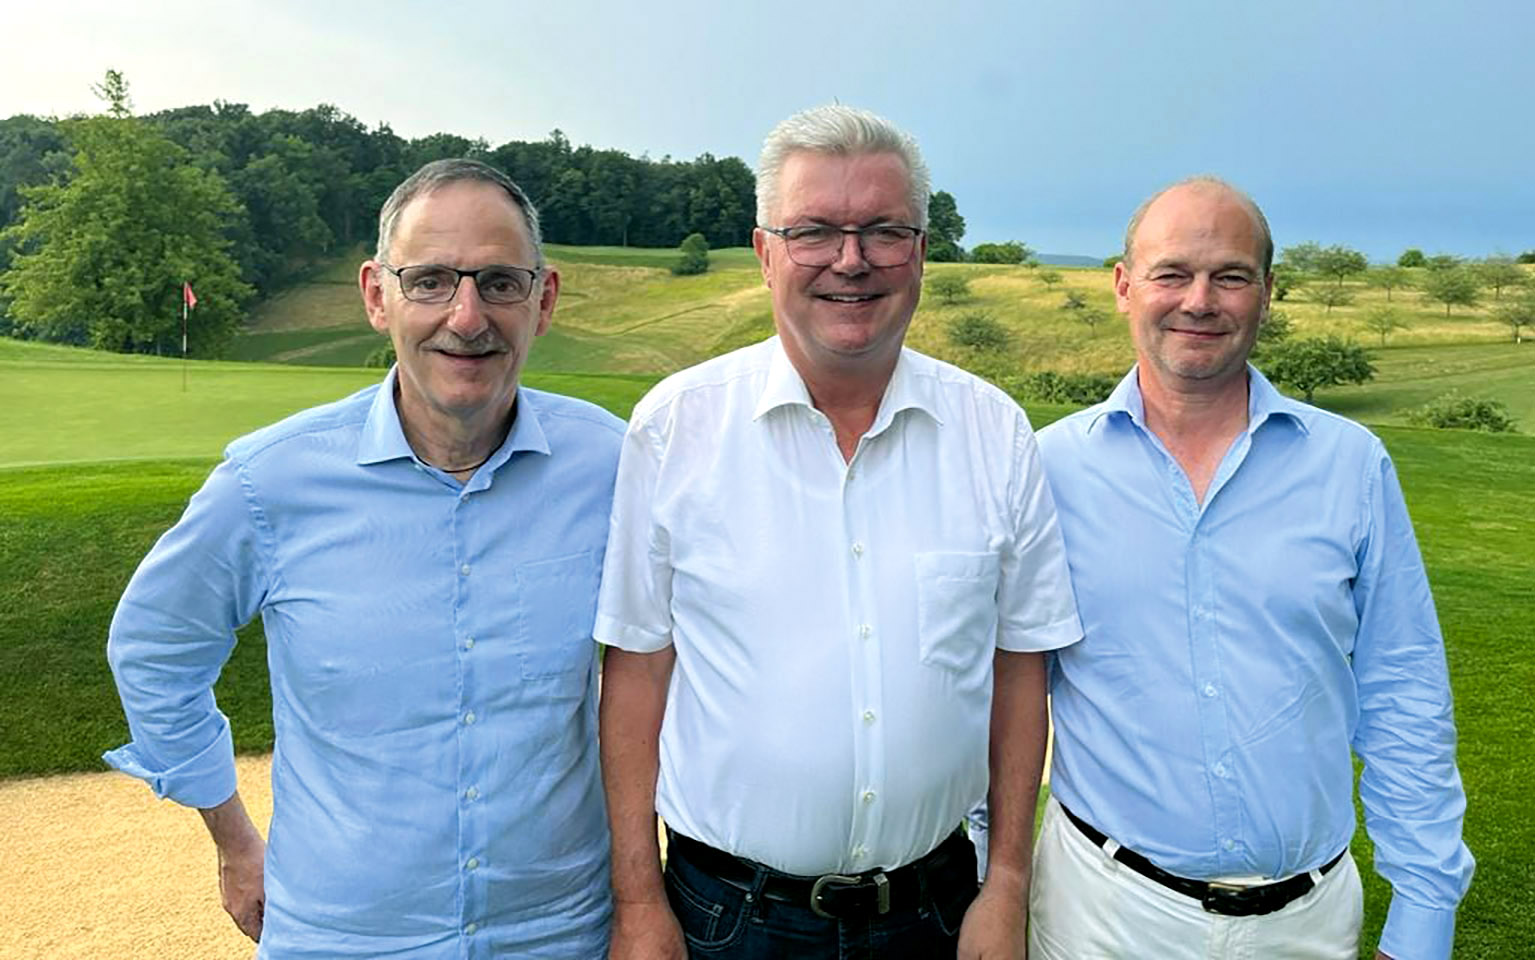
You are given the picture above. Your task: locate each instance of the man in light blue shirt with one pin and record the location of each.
(425, 557)
(1255, 611)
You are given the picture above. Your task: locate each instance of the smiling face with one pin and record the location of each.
(458, 360)
(849, 316)
(1195, 291)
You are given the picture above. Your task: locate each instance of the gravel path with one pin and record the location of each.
(93, 866)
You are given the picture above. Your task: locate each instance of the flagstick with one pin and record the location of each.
(183, 344)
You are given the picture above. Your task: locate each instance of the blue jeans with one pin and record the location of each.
(723, 920)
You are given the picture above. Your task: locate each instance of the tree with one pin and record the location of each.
(1411, 257)
(1287, 280)
(1049, 277)
(101, 257)
(950, 285)
(1339, 263)
(1518, 314)
(1092, 316)
(1331, 297)
(1302, 258)
(1500, 271)
(1442, 261)
(1009, 252)
(1527, 256)
(1383, 321)
(978, 331)
(693, 256)
(1388, 279)
(1456, 286)
(1074, 301)
(945, 229)
(1313, 362)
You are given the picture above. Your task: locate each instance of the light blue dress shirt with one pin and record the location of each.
(435, 784)
(1235, 653)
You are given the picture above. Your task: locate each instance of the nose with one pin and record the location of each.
(850, 256)
(466, 315)
(1199, 298)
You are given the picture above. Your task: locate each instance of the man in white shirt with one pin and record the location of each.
(832, 572)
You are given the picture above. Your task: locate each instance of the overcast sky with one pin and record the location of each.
(1380, 125)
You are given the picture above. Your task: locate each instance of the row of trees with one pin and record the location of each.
(1442, 278)
(103, 217)
(946, 228)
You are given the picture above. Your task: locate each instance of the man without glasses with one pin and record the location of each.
(425, 557)
(1255, 611)
(833, 566)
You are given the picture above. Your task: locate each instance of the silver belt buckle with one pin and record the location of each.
(881, 891)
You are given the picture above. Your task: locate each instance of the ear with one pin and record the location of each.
(370, 280)
(1121, 287)
(549, 294)
(764, 254)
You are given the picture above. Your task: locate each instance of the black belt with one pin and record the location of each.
(837, 896)
(1224, 898)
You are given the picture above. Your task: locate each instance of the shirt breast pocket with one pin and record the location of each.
(558, 609)
(956, 608)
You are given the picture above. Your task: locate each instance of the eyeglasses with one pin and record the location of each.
(435, 283)
(817, 245)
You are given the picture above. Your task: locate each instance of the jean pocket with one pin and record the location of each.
(956, 608)
(712, 920)
(558, 607)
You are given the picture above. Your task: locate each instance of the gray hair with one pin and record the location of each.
(1265, 236)
(844, 131)
(440, 173)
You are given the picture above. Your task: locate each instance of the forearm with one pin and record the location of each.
(230, 825)
(633, 702)
(1019, 727)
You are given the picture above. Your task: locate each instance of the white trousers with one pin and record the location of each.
(1085, 905)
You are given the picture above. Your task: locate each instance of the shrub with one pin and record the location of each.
(978, 331)
(381, 357)
(693, 256)
(949, 285)
(1047, 386)
(1455, 411)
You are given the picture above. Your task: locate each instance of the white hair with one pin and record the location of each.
(846, 131)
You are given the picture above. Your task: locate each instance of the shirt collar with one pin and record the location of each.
(905, 391)
(1263, 401)
(383, 438)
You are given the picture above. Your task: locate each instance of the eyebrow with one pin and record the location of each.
(1183, 265)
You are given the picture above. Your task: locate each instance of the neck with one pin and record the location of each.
(1192, 409)
(850, 399)
(452, 444)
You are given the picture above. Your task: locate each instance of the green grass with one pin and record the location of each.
(61, 405)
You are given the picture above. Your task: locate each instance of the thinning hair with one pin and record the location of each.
(440, 173)
(840, 131)
(1208, 181)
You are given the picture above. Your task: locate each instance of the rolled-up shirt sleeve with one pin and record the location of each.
(1413, 799)
(172, 633)
(1037, 609)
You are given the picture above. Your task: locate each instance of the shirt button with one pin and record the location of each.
(868, 716)
(464, 570)
(1228, 844)
(1219, 770)
(471, 928)
(865, 631)
(473, 864)
(868, 796)
(1209, 689)
(469, 718)
(468, 643)
(473, 793)
(859, 852)
(857, 548)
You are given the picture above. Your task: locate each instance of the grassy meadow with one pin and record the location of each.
(99, 452)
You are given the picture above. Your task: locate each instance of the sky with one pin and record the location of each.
(1378, 125)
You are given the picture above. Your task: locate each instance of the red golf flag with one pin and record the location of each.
(187, 296)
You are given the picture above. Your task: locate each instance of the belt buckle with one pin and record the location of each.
(1229, 899)
(881, 891)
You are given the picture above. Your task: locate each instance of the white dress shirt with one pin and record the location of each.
(834, 622)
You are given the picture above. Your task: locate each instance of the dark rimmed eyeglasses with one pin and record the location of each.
(435, 283)
(819, 245)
